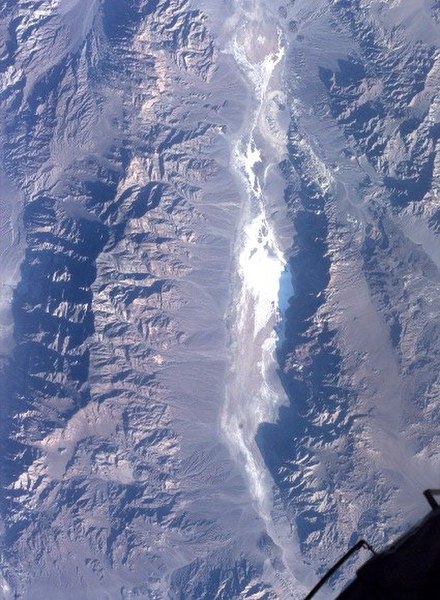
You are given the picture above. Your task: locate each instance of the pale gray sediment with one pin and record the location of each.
(253, 389)
(116, 382)
(121, 128)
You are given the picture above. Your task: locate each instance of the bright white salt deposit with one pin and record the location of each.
(261, 266)
(263, 284)
(260, 300)
(5, 588)
(245, 158)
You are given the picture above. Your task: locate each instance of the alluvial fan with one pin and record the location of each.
(219, 299)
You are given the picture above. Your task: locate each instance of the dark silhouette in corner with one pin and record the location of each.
(409, 569)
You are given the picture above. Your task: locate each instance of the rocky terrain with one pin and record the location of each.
(358, 442)
(114, 482)
(121, 207)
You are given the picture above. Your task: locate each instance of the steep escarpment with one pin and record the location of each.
(358, 440)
